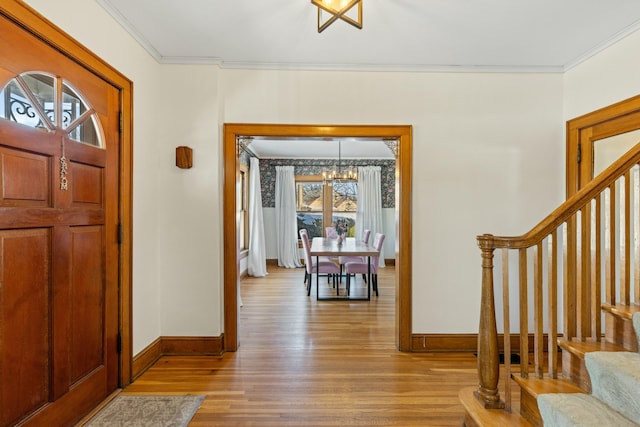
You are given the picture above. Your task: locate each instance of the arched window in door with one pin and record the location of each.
(42, 101)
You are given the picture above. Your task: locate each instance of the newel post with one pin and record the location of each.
(488, 358)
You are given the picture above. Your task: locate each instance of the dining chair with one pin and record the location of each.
(331, 232)
(305, 232)
(362, 267)
(365, 239)
(322, 258)
(345, 259)
(323, 266)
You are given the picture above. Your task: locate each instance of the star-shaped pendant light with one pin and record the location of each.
(337, 9)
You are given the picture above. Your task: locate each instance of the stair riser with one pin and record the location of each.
(529, 408)
(573, 368)
(620, 332)
(469, 422)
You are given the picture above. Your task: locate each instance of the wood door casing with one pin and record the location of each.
(402, 134)
(583, 131)
(59, 254)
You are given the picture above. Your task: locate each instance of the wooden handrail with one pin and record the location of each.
(583, 252)
(571, 205)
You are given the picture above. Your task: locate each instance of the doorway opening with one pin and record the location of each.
(231, 151)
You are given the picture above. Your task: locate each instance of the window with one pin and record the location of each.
(310, 205)
(345, 202)
(33, 99)
(315, 211)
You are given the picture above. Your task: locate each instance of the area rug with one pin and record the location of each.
(128, 410)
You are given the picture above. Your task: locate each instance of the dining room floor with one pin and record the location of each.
(303, 362)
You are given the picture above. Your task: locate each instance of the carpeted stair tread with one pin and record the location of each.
(615, 380)
(576, 409)
(636, 325)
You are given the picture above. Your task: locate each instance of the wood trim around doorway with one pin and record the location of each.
(33, 22)
(583, 131)
(403, 256)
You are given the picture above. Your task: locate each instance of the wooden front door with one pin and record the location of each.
(58, 234)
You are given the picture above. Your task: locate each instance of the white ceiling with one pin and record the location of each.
(494, 35)
(397, 35)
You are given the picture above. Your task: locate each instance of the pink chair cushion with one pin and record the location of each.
(324, 266)
(362, 267)
(348, 259)
(345, 259)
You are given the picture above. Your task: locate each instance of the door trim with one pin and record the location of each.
(623, 116)
(28, 19)
(403, 134)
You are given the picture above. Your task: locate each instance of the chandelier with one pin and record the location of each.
(337, 9)
(339, 173)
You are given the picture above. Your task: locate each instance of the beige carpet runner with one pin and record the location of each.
(128, 410)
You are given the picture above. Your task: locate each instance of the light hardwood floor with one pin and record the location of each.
(304, 362)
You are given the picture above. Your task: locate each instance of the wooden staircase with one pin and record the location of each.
(576, 280)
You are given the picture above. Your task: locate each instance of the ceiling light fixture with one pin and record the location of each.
(337, 9)
(339, 174)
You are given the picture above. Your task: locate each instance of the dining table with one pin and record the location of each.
(333, 248)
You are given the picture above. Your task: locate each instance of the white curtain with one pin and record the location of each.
(257, 261)
(286, 218)
(369, 210)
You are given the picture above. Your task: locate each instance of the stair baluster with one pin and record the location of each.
(590, 246)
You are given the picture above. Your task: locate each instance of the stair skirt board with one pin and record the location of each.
(579, 410)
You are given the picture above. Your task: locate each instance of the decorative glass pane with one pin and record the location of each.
(81, 127)
(31, 99)
(43, 89)
(72, 106)
(86, 132)
(17, 107)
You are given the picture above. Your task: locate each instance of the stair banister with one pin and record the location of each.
(488, 357)
(583, 325)
(572, 205)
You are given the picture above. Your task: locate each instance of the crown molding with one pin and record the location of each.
(601, 47)
(129, 28)
(418, 68)
(410, 68)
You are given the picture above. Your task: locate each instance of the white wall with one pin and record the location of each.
(488, 158)
(189, 206)
(607, 78)
(485, 159)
